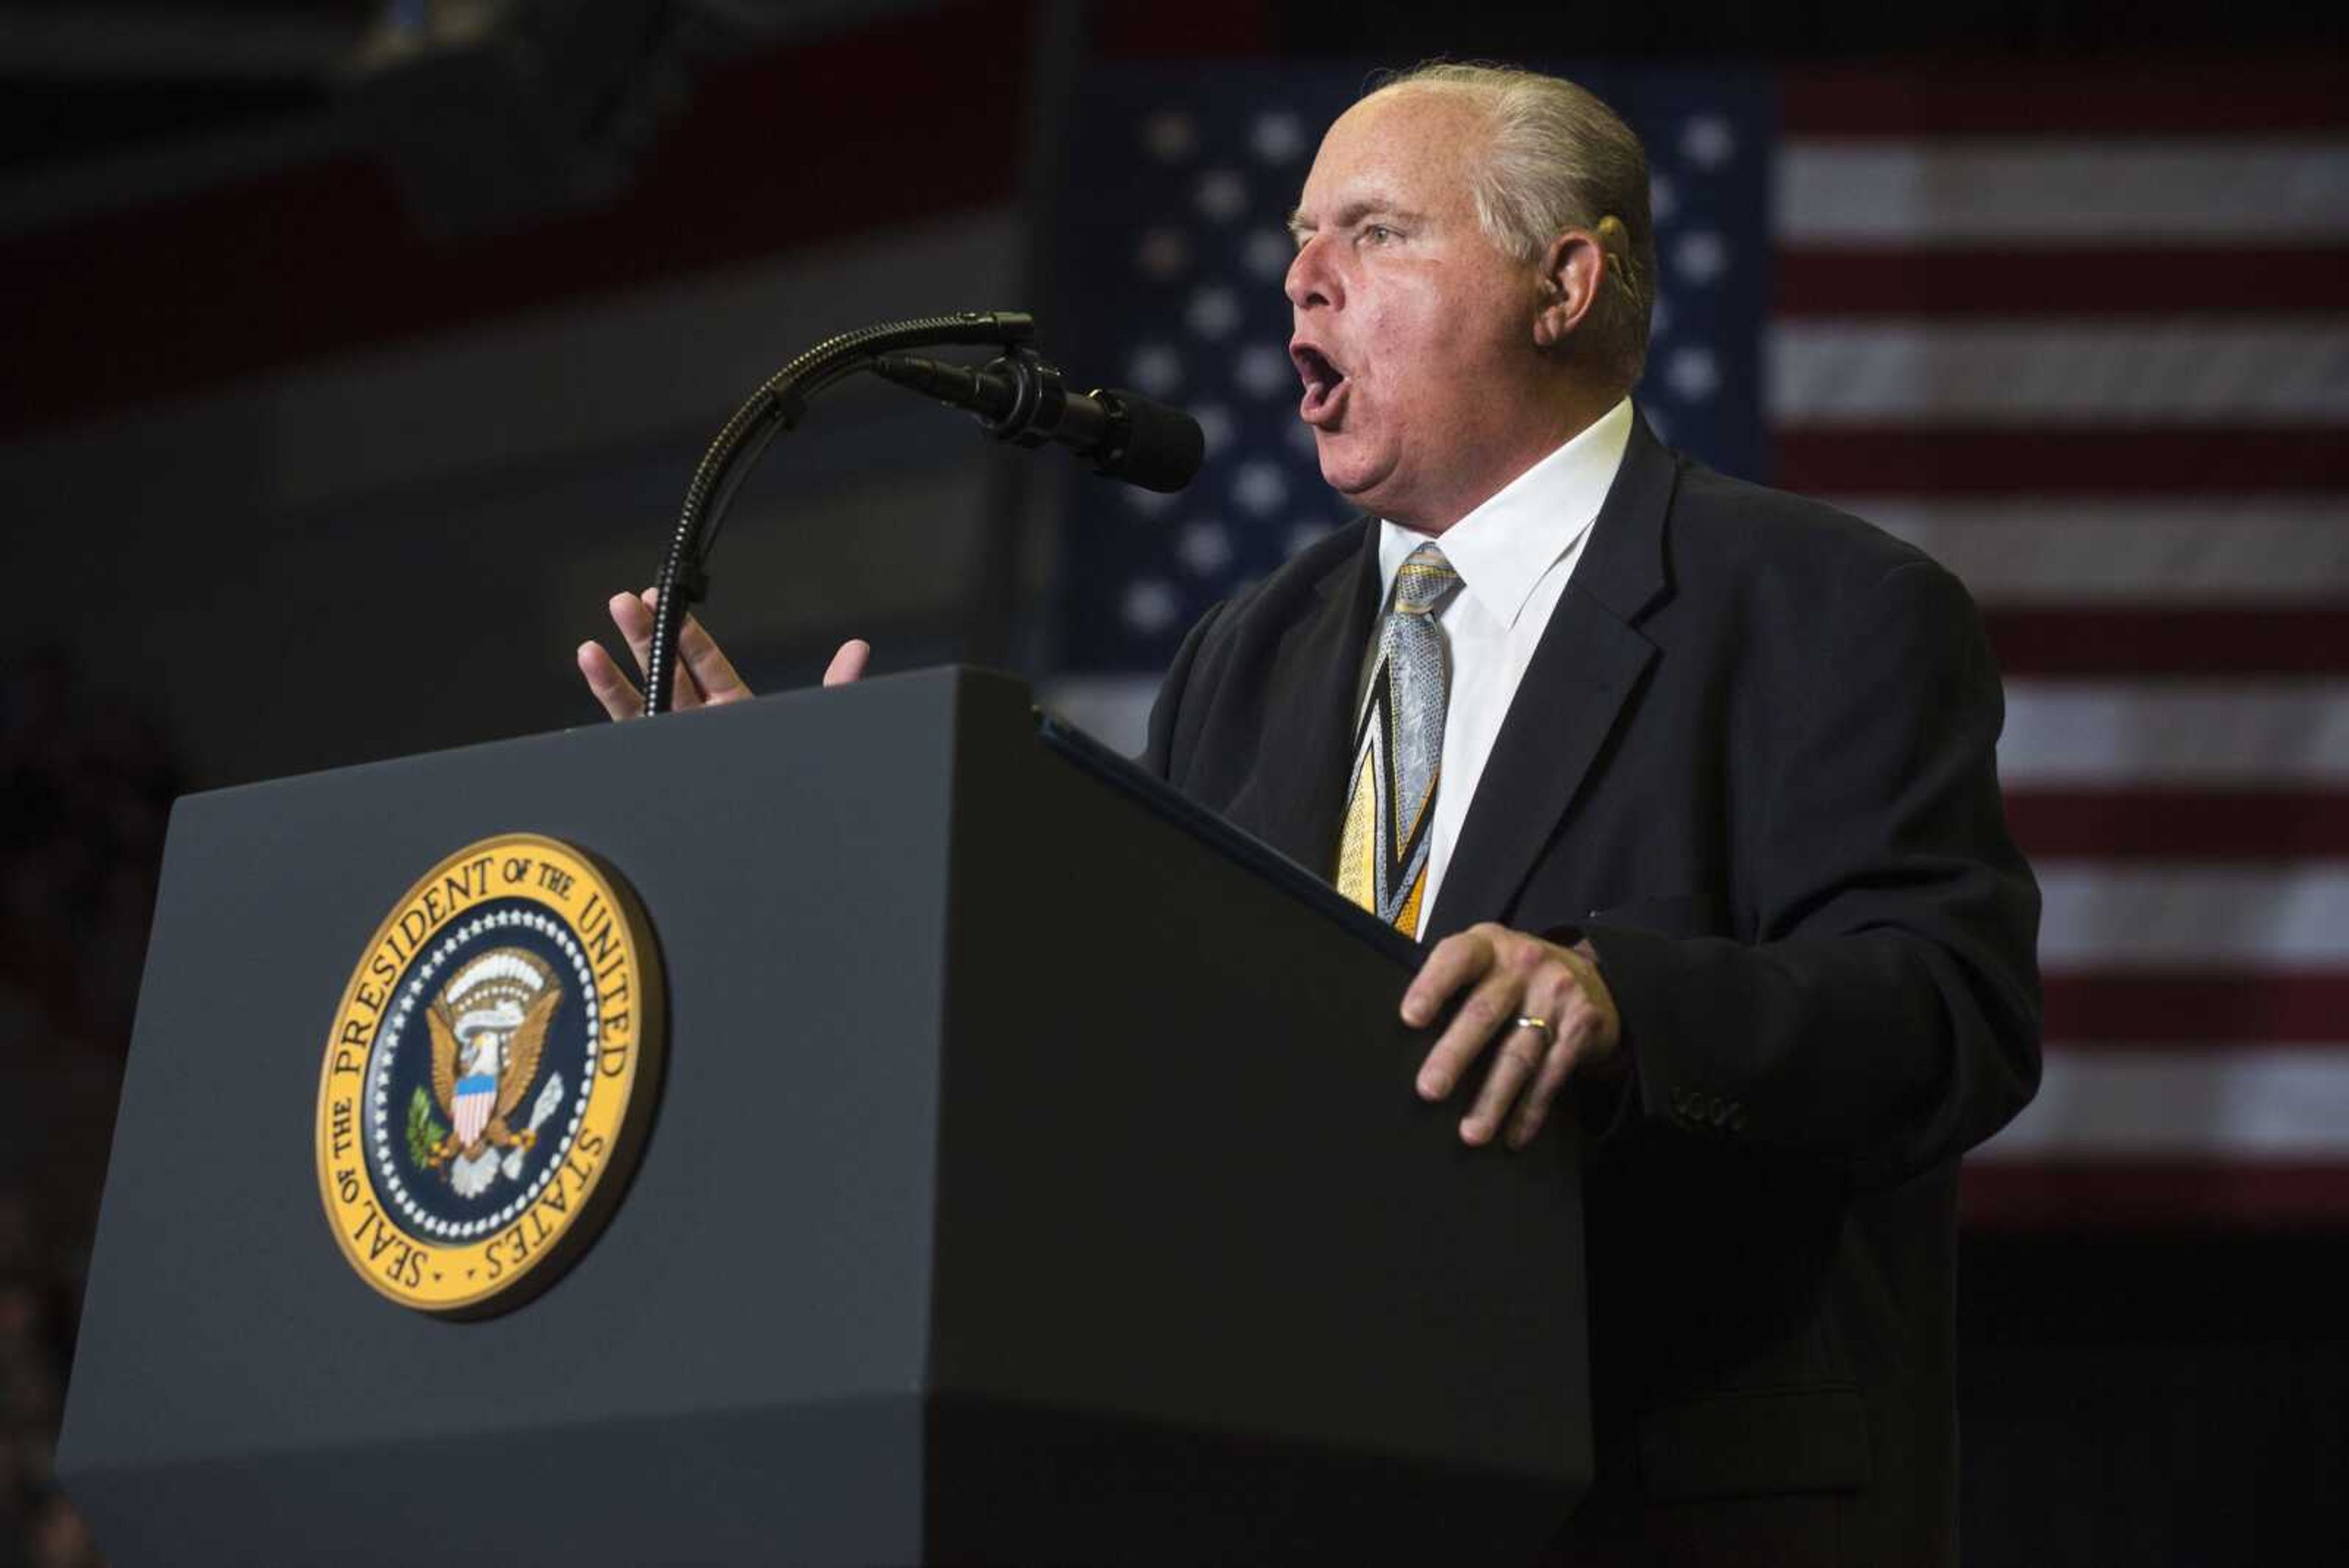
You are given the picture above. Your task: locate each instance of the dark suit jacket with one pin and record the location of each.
(1753, 760)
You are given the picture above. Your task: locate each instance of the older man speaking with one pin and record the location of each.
(1690, 785)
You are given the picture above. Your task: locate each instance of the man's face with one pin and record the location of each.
(1414, 331)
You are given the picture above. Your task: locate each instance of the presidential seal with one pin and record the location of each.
(489, 1076)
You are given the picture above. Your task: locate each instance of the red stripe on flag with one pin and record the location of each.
(2180, 825)
(2143, 1007)
(2101, 640)
(2008, 283)
(2060, 99)
(1975, 460)
(2152, 1194)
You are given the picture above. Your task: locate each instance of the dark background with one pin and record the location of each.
(246, 536)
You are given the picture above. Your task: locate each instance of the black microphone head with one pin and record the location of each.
(1163, 446)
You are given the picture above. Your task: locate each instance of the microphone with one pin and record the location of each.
(1022, 399)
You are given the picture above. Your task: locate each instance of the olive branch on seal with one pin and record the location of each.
(424, 1134)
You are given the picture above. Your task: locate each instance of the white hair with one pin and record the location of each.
(1560, 159)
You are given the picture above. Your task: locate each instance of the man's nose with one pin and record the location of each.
(1310, 280)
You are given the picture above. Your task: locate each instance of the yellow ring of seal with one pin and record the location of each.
(500, 1265)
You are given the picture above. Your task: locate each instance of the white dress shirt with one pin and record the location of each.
(1514, 555)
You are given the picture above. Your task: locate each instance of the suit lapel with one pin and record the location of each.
(1300, 786)
(1582, 673)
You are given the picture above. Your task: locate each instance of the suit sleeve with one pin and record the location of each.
(1158, 752)
(1886, 1019)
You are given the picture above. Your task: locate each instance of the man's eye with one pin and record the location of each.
(1378, 233)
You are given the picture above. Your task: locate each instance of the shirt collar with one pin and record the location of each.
(1502, 548)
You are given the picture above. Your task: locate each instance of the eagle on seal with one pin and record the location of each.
(489, 1030)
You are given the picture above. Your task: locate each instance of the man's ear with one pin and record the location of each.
(1573, 270)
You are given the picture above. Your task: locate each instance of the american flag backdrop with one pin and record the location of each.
(2083, 337)
(1179, 241)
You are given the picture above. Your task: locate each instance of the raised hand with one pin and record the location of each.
(704, 673)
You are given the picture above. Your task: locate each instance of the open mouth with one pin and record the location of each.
(1325, 383)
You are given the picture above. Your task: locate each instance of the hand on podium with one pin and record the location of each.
(1548, 1007)
(704, 673)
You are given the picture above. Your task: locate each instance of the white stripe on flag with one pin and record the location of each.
(2045, 193)
(2222, 1101)
(2156, 913)
(2085, 733)
(2180, 371)
(2059, 733)
(2025, 550)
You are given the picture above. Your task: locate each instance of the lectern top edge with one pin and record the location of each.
(1233, 843)
(586, 730)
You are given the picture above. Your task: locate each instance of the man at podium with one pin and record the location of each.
(1689, 789)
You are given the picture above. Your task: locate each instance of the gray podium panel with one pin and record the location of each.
(1032, 1181)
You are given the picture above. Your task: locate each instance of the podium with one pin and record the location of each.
(1037, 1179)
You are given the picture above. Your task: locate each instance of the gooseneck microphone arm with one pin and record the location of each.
(777, 405)
(1018, 398)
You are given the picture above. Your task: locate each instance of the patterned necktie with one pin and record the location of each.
(1399, 749)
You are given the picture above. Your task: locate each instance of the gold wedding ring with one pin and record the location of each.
(1540, 1023)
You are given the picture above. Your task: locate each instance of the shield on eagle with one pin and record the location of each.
(477, 1096)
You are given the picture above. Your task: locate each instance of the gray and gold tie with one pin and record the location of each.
(1399, 749)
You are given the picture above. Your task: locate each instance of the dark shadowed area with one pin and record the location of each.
(352, 354)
